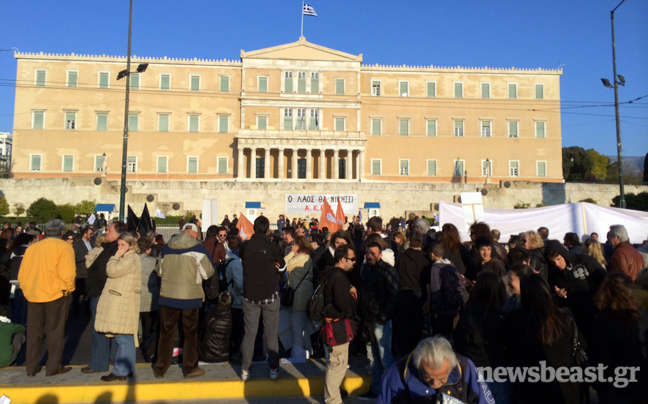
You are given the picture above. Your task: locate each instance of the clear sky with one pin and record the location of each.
(575, 34)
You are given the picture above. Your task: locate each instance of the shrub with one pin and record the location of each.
(66, 212)
(588, 200)
(42, 210)
(4, 206)
(19, 208)
(85, 207)
(633, 201)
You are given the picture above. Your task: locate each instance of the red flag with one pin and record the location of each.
(246, 229)
(339, 214)
(328, 218)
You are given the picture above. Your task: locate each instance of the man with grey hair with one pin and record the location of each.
(625, 258)
(47, 277)
(434, 372)
(422, 225)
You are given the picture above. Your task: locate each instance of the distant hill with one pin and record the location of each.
(631, 164)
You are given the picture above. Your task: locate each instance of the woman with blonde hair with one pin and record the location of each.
(532, 241)
(594, 249)
(119, 306)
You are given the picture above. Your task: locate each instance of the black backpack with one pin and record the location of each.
(451, 289)
(217, 283)
(317, 305)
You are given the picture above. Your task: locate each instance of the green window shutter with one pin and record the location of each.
(339, 86)
(103, 80)
(512, 91)
(40, 78)
(431, 128)
(165, 82)
(288, 123)
(403, 125)
(339, 124)
(68, 163)
(224, 84)
(222, 165)
(262, 122)
(163, 123)
(513, 129)
(315, 85)
(98, 166)
(458, 90)
(375, 167)
(133, 122)
(72, 79)
(195, 83)
(263, 84)
(223, 126)
(404, 89)
(542, 169)
(459, 128)
(288, 84)
(404, 167)
(162, 165)
(459, 169)
(134, 81)
(36, 163)
(301, 83)
(540, 130)
(102, 121)
(376, 127)
(485, 90)
(192, 165)
(431, 89)
(39, 120)
(539, 92)
(432, 167)
(194, 121)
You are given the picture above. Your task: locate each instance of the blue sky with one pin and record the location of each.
(475, 33)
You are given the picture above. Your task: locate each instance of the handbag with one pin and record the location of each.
(338, 332)
(287, 295)
(578, 352)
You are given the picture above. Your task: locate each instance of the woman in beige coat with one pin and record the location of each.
(119, 304)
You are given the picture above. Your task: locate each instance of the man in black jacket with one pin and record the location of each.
(262, 262)
(339, 297)
(379, 297)
(81, 249)
(94, 286)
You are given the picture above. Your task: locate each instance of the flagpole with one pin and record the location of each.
(302, 23)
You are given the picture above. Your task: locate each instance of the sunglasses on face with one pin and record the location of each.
(351, 259)
(70, 238)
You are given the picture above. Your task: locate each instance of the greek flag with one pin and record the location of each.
(308, 10)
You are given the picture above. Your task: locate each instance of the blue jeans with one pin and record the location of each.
(382, 354)
(125, 359)
(100, 343)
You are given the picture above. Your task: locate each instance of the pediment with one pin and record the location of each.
(301, 50)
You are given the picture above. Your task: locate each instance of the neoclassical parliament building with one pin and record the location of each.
(293, 112)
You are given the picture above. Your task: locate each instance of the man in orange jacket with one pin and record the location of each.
(47, 279)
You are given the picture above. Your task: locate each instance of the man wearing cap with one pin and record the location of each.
(184, 264)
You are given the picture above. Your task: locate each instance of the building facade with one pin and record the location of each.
(293, 112)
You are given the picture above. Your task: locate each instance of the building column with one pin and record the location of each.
(322, 171)
(309, 164)
(280, 174)
(336, 164)
(253, 162)
(360, 165)
(266, 163)
(293, 175)
(349, 165)
(241, 167)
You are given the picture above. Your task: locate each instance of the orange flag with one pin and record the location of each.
(246, 229)
(339, 214)
(328, 219)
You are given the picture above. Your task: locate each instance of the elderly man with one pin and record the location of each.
(184, 264)
(47, 279)
(434, 370)
(625, 258)
(81, 249)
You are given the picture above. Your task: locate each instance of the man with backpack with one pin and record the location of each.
(339, 303)
(445, 295)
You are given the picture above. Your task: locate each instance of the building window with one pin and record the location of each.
(301, 168)
(403, 127)
(314, 119)
(194, 123)
(223, 124)
(288, 82)
(301, 119)
(431, 127)
(162, 164)
(38, 119)
(133, 122)
(165, 82)
(222, 165)
(192, 165)
(35, 162)
(131, 164)
(458, 128)
(513, 128)
(104, 80)
(512, 91)
(315, 82)
(376, 127)
(102, 121)
(542, 168)
(486, 128)
(404, 167)
(540, 129)
(288, 119)
(194, 80)
(539, 91)
(301, 82)
(70, 120)
(403, 88)
(376, 167)
(263, 84)
(134, 81)
(375, 88)
(68, 163)
(262, 122)
(163, 122)
(458, 90)
(339, 124)
(487, 168)
(41, 78)
(72, 78)
(339, 86)
(459, 168)
(485, 90)
(432, 168)
(98, 163)
(224, 83)
(431, 88)
(514, 168)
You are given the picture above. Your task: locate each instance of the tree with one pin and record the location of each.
(85, 207)
(577, 164)
(42, 210)
(19, 208)
(628, 179)
(601, 163)
(633, 201)
(66, 212)
(4, 206)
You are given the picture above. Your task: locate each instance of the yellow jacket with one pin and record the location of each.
(47, 271)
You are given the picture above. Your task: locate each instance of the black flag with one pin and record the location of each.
(145, 222)
(133, 221)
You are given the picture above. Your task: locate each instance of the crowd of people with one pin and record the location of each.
(427, 309)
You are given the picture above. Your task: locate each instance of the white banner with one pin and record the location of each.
(209, 213)
(312, 204)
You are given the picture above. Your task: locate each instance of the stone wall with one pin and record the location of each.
(395, 198)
